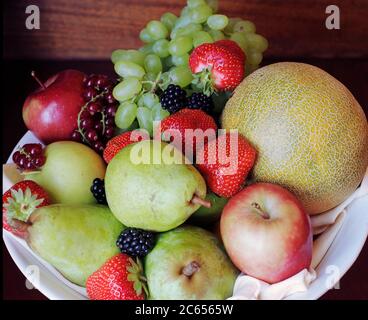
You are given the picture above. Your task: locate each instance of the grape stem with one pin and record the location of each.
(34, 76)
(154, 83)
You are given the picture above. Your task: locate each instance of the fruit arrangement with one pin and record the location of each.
(135, 176)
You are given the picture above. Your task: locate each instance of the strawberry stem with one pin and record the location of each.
(204, 82)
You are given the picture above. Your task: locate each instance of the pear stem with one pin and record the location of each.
(34, 76)
(190, 269)
(200, 201)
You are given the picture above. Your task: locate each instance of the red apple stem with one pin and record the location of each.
(263, 214)
(190, 269)
(34, 76)
(200, 201)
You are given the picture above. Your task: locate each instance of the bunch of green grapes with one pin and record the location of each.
(165, 56)
(137, 91)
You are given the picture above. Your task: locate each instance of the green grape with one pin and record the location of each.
(257, 42)
(144, 117)
(217, 35)
(167, 63)
(181, 75)
(182, 22)
(148, 100)
(201, 13)
(201, 37)
(127, 89)
(146, 36)
(157, 30)
(249, 68)
(244, 26)
(125, 115)
(189, 30)
(116, 55)
(128, 55)
(195, 3)
(240, 39)
(182, 60)
(169, 19)
(153, 64)
(150, 78)
(230, 26)
(185, 12)
(217, 21)
(146, 49)
(158, 113)
(161, 48)
(180, 46)
(214, 4)
(129, 69)
(132, 127)
(254, 58)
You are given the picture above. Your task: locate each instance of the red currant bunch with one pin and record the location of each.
(96, 124)
(29, 157)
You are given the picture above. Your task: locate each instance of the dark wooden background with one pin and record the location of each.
(91, 29)
(82, 34)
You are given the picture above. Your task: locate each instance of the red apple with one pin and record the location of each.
(267, 233)
(51, 112)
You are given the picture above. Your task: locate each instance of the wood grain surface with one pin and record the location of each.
(91, 29)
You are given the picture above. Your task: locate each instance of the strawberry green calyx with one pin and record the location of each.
(136, 276)
(203, 80)
(21, 205)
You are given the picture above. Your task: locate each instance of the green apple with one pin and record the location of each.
(207, 216)
(189, 263)
(156, 192)
(68, 172)
(75, 239)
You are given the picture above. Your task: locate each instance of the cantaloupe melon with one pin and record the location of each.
(310, 133)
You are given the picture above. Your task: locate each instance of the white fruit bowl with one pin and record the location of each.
(342, 253)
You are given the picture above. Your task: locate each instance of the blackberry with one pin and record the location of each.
(173, 98)
(135, 242)
(200, 101)
(98, 190)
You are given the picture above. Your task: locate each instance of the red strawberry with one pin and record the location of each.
(215, 160)
(216, 67)
(232, 46)
(174, 128)
(120, 278)
(18, 204)
(121, 141)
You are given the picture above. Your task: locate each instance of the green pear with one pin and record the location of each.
(68, 172)
(208, 216)
(189, 263)
(149, 186)
(75, 239)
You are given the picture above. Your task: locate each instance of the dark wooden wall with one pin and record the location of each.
(91, 29)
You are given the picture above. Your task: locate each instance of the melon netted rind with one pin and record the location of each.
(310, 132)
